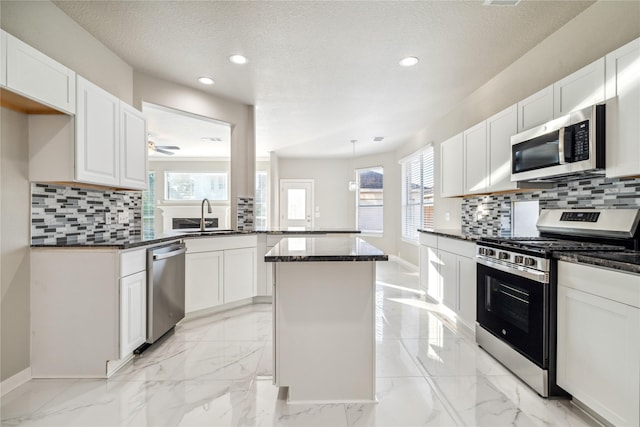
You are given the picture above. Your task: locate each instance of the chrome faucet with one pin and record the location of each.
(202, 213)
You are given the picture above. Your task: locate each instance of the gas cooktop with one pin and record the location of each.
(548, 244)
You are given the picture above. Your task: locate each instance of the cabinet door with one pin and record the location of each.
(3, 58)
(608, 332)
(449, 274)
(451, 167)
(133, 148)
(623, 111)
(239, 274)
(467, 289)
(536, 109)
(580, 89)
(203, 280)
(36, 76)
(97, 135)
(500, 128)
(475, 159)
(133, 312)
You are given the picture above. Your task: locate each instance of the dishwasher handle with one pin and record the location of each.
(157, 257)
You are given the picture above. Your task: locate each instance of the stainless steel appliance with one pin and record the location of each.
(517, 288)
(570, 145)
(165, 289)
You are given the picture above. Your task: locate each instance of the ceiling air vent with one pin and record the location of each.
(501, 2)
(378, 138)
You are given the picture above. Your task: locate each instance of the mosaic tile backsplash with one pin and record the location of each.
(490, 215)
(245, 213)
(66, 215)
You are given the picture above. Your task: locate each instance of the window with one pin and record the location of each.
(417, 193)
(149, 207)
(369, 195)
(260, 202)
(196, 186)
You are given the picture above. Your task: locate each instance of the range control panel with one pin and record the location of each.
(576, 216)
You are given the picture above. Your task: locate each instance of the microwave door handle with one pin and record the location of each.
(561, 147)
(568, 144)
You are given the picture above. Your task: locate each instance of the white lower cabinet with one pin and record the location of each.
(219, 270)
(239, 279)
(599, 340)
(203, 280)
(448, 275)
(88, 310)
(133, 312)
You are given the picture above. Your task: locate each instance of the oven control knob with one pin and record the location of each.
(530, 262)
(482, 251)
(491, 252)
(503, 255)
(518, 259)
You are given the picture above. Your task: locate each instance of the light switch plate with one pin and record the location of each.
(123, 217)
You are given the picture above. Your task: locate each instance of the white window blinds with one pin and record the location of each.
(417, 193)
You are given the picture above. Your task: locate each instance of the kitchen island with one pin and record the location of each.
(324, 318)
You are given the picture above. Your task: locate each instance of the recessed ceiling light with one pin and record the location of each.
(378, 138)
(238, 59)
(206, 80)
(500, 2)
(211, 138)
(409, 61)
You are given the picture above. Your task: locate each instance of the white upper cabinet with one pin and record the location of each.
(452, 167)
(580, 89)
(97, 135)
(536, 109)
(133, 148)
(476, 175)
(3, 58)
(500, 128)
(34, 75)
(623, 111)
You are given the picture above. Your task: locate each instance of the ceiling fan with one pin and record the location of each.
(164, 149)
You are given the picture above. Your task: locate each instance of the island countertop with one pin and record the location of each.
(308, 249)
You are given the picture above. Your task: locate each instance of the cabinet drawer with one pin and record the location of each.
(132, 262)
(428, 239)
(613, 285)
(458, 247)
(207, 244)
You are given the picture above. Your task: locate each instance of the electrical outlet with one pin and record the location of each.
(123, 217)
(107, 218)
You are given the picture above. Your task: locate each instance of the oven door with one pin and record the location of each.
(514, 309)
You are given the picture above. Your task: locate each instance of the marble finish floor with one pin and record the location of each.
(216, 371)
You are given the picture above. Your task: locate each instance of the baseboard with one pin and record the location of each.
(15, 381)
(403, 262)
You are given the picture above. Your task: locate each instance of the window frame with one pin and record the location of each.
(424, 161)
(167, 181)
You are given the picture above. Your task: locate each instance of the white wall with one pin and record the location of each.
(331, 193)
(14, 243)
(45, 27)
(600, 29)
(147, 88)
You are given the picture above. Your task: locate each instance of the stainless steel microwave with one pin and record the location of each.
(572, 145)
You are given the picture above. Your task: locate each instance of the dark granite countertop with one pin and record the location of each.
(451, 232)
(128, 242)
(298, 230)
(307, 249)
(627, 261)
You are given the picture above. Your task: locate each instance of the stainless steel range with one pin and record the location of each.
(517, 289)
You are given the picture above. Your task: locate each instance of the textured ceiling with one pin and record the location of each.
(323, 73)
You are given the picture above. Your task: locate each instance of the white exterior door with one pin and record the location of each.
(296, 203)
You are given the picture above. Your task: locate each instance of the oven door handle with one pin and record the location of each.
(535, 275)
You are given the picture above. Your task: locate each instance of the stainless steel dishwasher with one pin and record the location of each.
(165, 289)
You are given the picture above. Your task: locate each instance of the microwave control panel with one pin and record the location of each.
(578, 138)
